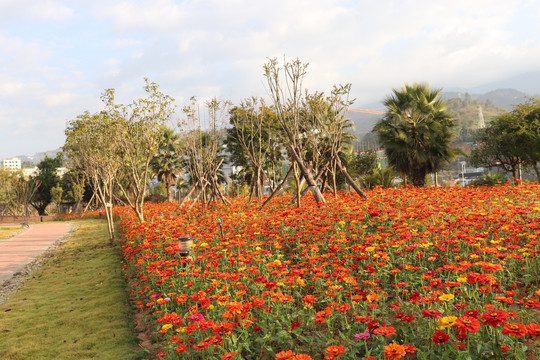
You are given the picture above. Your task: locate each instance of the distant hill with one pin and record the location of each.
(37, 157)
(503, 98)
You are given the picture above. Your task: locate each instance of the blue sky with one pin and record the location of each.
(57, 57)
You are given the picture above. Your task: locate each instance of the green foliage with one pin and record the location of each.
(139, 134)
(363, 164)
(466, 115)
(46, 179)
(159, 190)
(416, 131)
(384, 178)
(56, 194)
(74, 185)
(167, 163)
(255, 142)
(511, 140)
(489, 179)
(10, 182)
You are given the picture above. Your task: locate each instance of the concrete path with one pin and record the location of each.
(18, 251)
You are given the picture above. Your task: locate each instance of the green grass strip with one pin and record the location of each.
(74, 307)
(8, 231)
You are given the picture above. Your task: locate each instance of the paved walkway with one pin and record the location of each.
(18, 251)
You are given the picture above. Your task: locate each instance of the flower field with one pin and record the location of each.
(431, 273)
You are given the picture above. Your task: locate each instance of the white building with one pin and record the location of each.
(12, 163)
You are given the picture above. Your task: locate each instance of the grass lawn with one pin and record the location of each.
(74, 307)
(8, 231)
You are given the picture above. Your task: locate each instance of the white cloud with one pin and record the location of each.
(217, 48)
(26, 10)
(159, 15)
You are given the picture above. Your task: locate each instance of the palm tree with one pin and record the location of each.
(167, 163)
(416, 131)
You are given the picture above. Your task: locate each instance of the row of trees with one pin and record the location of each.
(300, 138)
(119, 148)
(18, 195)
(511, 141)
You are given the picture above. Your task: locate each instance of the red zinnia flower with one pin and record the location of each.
(343, 308)
(309, 299)
(467, 323)
(364, 318)
(516, 330)
(181, 349)
(385, 331)
(495, 317)
(533, 329)
(431, 313)
(410, 348)
(440, 337)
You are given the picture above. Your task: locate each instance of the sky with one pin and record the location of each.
(57, 57)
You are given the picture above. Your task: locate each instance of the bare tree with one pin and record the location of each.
(285, 89)
(139, 132)
(202, 147)
(254, 143)
(89, 149)
(327, 114)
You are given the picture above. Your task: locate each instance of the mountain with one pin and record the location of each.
(505, 98)
(528, 83)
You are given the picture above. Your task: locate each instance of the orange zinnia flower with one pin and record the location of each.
(335, 350)
(394, 351)
(285, 355)
(302, 357)
(228, 356)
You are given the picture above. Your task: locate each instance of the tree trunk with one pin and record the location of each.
(536, 170)
(334, 184)
(349, 178)
(169, 194)
(278, 187)
(110, 223)
(298, 184)
(418, 178)
(319, 198)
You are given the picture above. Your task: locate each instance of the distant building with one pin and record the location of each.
(12, 163)
(30, 172)
(34, 172)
